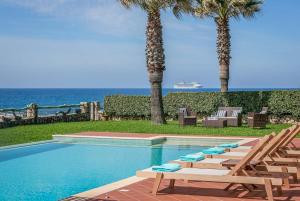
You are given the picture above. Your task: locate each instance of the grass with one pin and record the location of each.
(33, 133)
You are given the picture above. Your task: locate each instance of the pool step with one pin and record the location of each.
(99, 140)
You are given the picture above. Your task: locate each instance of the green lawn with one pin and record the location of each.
(33, 133)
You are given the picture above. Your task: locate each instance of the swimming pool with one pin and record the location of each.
(53, 171)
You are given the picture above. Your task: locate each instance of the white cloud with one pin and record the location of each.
(43, 6)
(101, 16)
(111, 18)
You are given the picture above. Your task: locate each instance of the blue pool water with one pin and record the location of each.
(53, 171)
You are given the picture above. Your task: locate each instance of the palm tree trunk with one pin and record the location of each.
(223, 50)
(157, 111)
(155, 65)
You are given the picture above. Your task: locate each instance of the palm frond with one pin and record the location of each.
(227, 8)
(181, 6)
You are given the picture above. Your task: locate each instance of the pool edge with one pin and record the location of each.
(27, 144)
(108, 187)
(148, 141)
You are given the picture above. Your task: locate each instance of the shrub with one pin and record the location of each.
(280, 103)
(283, 103)
(203, 103)
(127, 106)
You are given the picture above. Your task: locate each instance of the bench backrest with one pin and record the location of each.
(185, 111)
(264, 110)
(272, 144)
(250, 156)
(290, 137)
(229, 110)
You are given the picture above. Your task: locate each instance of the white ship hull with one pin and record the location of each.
(193, 85)
(182, 87)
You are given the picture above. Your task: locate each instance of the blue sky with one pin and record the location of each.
(97, 43)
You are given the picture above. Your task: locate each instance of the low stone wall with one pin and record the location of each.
(283, 120)
(46, 120)
(272, 119)
(89, 111)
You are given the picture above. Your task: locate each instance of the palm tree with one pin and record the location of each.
(222, 11)
(154, 47)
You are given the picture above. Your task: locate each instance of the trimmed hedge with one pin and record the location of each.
(202, 103)
(127, 106)
(283, 103)
(280, 103)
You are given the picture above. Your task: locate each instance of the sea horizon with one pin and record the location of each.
(230, 89)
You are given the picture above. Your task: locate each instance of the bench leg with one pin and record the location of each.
(247, 187)
(244, 185)
(172, 183)
(279, 190)
(295, 178)
(298, 171)
(157, 182)
(269, 190)
(228, 187)
(286, 181)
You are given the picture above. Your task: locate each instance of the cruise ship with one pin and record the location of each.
(186, 85)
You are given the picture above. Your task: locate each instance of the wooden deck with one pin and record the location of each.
(192, 191)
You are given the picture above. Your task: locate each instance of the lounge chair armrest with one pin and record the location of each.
(194, 114)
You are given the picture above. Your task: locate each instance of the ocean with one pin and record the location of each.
(19, 98)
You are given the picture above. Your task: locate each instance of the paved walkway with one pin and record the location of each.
(148, 135)
(192, 191)
(115, 134)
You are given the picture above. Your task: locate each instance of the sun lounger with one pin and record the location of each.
(282, 139)
(237, 175)
(279, 154)
(270, 161)
(284, 145)
(273, 144)
(269, 147)
(212, 161)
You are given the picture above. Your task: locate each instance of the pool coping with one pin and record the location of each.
(108, 187)
(26, 144)
(242, 140)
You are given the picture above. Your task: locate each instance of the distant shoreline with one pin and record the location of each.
(205, 88)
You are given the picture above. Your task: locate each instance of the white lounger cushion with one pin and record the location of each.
(208, 160)
(243, 147)
(214, 172)
(235, 154)
(213, 160)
